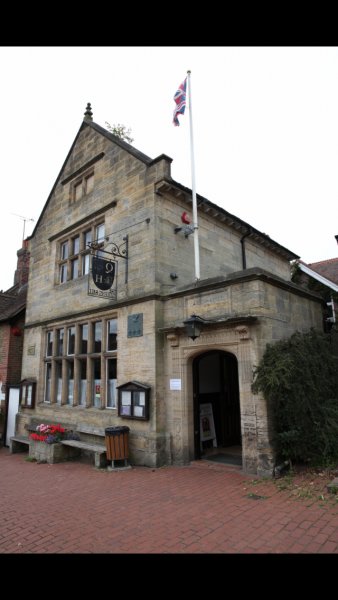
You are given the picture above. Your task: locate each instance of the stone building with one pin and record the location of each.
(89, 333)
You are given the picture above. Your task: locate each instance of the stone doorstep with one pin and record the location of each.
(332, 487)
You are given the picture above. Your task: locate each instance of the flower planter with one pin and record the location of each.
(50, 453)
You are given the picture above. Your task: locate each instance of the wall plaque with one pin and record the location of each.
(135, 325)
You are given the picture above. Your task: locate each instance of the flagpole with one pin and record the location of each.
(193, 185)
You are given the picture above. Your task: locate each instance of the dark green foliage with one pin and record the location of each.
(299, 379)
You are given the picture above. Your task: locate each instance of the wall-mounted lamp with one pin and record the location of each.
(194, 326)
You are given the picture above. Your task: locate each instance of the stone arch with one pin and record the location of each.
(189, 355)
(240, 341)
(217, 418)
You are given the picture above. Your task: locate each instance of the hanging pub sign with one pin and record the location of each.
(103, 278)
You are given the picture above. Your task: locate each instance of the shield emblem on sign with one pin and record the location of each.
(103, 273)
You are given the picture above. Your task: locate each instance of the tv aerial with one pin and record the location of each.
(25, 219)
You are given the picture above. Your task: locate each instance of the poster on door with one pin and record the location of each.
(207, 425)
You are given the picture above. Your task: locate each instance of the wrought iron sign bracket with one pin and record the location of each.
(120, 251)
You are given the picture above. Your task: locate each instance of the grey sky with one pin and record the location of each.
(265, 130)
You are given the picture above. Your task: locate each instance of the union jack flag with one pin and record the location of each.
(180, 99)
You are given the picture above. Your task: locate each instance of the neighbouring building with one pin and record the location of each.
(12, 321)
(327, 268)
(111, 285)
(321, 277)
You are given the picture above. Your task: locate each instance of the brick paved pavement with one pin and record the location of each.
(201, 508)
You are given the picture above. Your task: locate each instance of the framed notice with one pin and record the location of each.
(126, 398)
(133, 400)
(175, 384)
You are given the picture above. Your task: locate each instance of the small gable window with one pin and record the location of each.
(78, 191)
(82, 186)
(89, 184)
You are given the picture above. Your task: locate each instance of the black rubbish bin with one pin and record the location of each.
(117, 442)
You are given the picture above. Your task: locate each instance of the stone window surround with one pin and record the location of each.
(54, 362)
(81, 183)
(80, 257)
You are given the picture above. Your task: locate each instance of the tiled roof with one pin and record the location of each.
(327, 268)
(12, 303)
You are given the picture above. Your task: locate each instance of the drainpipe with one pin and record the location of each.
(249, 231)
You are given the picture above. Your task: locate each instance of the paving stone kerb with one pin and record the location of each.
(201, 508)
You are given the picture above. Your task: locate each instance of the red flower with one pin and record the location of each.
(48, 433)
(37, 437)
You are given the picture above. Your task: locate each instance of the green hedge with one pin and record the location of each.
(299, 379)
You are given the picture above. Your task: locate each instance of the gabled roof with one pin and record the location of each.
(118, 141)
(169, 184)
(113, 138)
(327, 268)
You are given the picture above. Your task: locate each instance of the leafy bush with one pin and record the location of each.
(299, 379)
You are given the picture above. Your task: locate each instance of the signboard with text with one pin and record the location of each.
(207, 425)
(102, 281)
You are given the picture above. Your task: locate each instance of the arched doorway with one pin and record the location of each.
(217, 419)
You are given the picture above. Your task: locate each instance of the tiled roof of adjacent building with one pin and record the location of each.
(327, 268)
(12, 302)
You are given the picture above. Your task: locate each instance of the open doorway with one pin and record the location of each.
(12, 409)
(217, 420)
